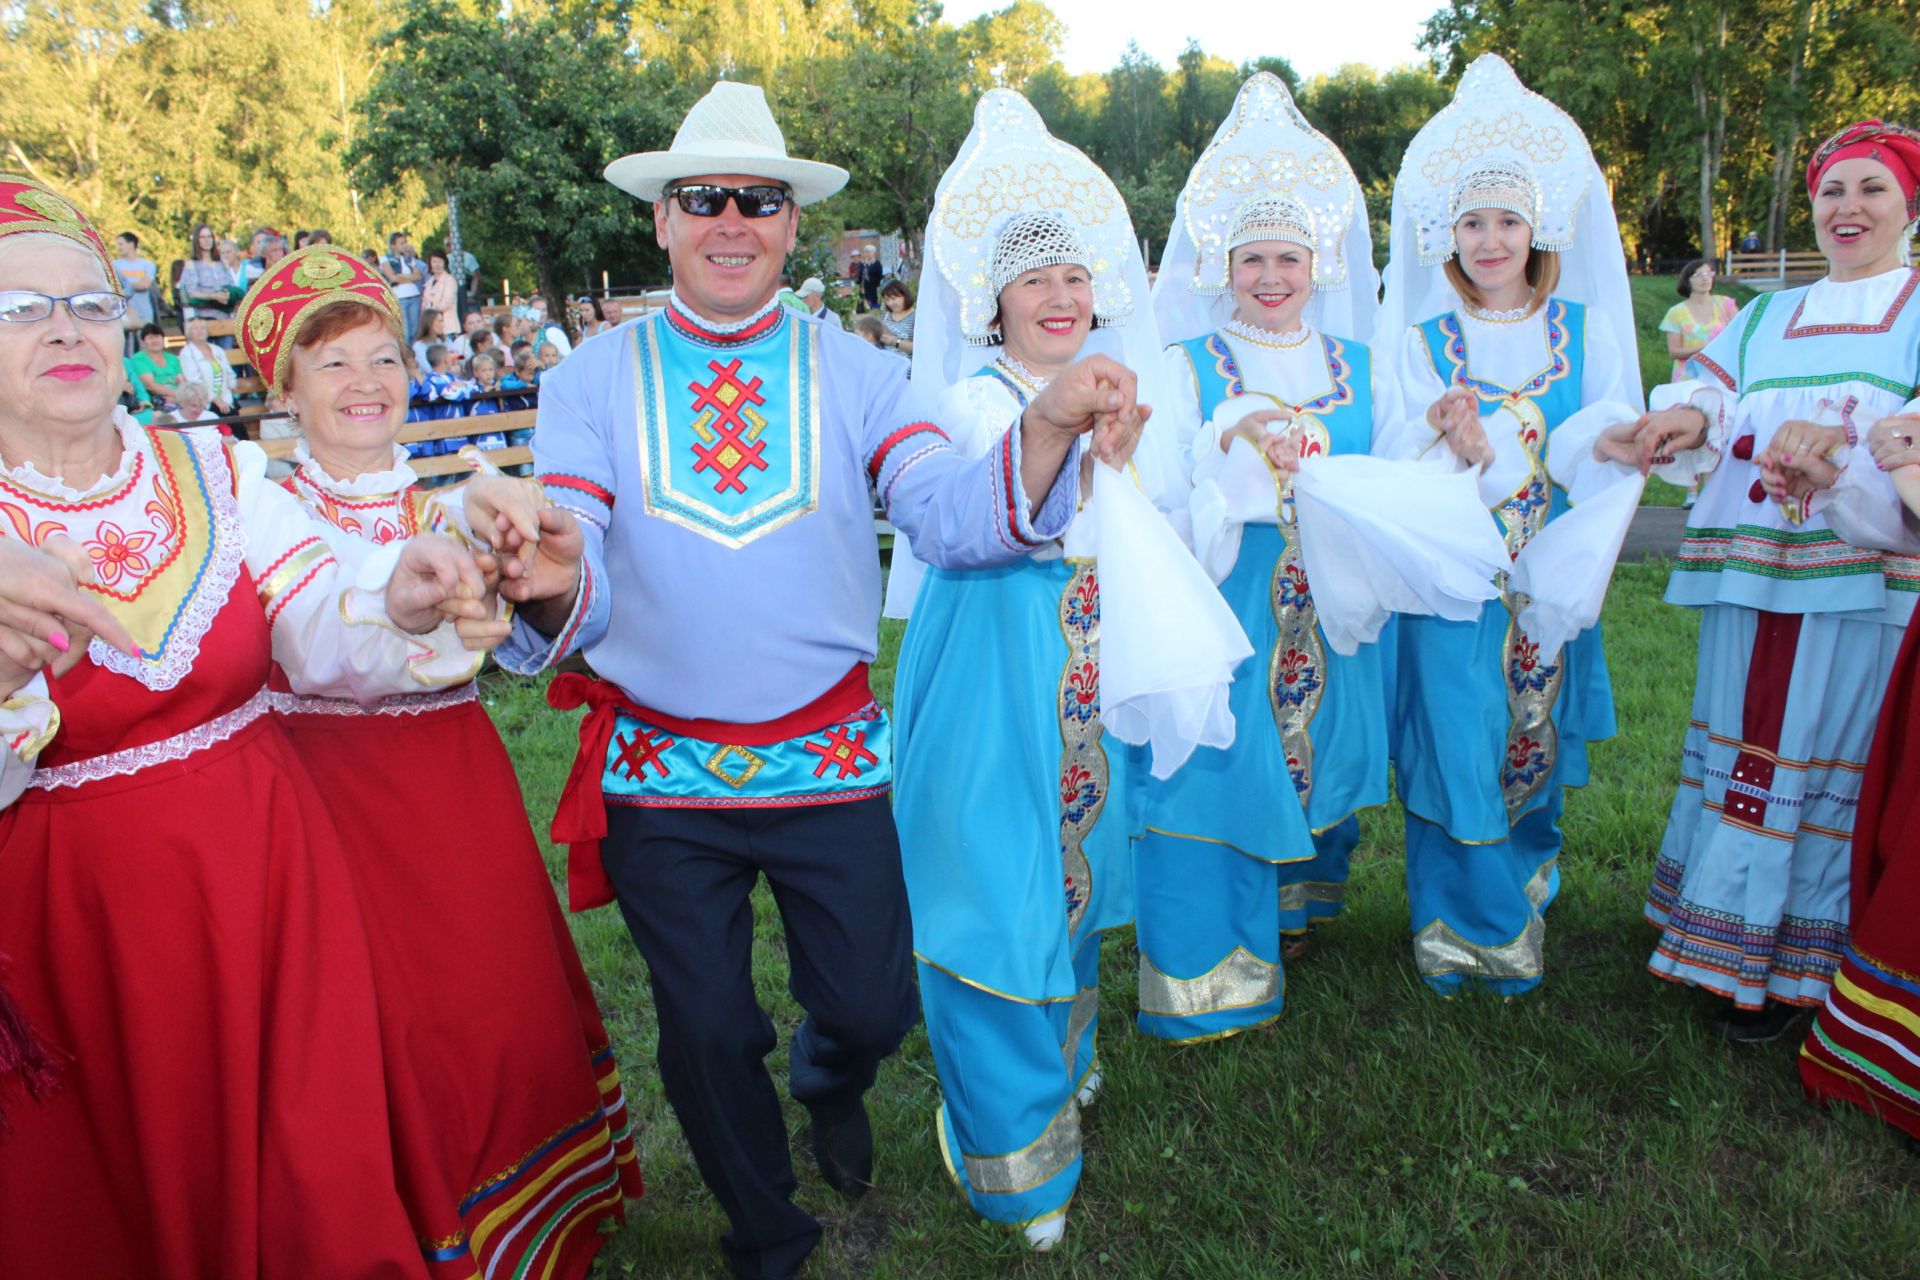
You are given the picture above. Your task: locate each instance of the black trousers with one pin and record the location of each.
(684, 877)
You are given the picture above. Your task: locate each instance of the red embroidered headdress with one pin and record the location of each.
(284, 299)
(26, 206)
(1896, 147)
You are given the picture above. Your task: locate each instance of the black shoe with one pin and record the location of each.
(843, 1148)
(1756, 1026)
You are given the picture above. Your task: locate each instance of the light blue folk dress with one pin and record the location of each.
(1800, 623)
(1487, 735)
(1252, 842)
(1014, 818)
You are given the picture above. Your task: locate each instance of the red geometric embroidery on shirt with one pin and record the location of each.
(640, 749)
(847, 752)
(728, 426)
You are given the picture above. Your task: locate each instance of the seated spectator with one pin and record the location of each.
(470, 324)
(588, 318)
(521, 347)
(444, 390)
(550, 356)
(155, 371)
(874, 332)
(434, 327)
(195, 406)
(206, 364)
(541, 329)
(525, 377)
(205, 280)
(480, 341)
(484, 369)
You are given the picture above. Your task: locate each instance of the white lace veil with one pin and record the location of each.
(1010, 168)
(1494, 131)
(1265, 147)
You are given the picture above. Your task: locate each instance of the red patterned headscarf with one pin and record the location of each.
(26, 207)
(285, 298)
(1892, 145)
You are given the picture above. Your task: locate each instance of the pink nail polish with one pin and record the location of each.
(59, 640)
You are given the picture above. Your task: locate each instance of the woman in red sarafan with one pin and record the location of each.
(191, 1002)
(509, 1124)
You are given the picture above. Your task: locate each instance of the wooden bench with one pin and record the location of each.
(445, 429)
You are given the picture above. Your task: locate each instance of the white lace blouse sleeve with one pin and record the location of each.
(1405, 432)
(331, 633)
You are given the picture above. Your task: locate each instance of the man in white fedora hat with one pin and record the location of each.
(713, 471)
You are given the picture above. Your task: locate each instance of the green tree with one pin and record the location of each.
(520, 115)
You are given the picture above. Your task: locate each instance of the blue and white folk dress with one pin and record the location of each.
(1801, 620)
(1488, 735)
(1014, 811)
(1246, 844)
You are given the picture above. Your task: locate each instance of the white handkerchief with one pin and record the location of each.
(1380, 536)
(1168, 643)
(1565, 569)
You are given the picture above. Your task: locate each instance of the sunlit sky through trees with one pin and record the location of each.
(1315, 37)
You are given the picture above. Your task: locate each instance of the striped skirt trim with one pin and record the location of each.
(522, 1223)
(1864, 1047)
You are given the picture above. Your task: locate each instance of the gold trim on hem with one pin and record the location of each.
(1035, 1164)
(1272, 862)
(1240, 981)
(1216, 1035)
(992, 991)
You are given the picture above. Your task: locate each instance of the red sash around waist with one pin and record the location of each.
(580, 820)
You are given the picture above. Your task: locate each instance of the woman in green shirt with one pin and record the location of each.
(154, 372)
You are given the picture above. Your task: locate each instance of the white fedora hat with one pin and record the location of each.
(731, 130)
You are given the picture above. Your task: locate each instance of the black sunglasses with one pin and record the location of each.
(705, 201)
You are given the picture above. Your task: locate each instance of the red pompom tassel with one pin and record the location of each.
(24, 1055)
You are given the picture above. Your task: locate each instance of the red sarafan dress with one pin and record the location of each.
(182, 924)
(508, 1119)
(1864, 1046)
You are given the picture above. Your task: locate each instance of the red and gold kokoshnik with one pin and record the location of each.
(27, 207)
(285, 298)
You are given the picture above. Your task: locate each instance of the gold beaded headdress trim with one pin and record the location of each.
(293, 289)
(27, 207)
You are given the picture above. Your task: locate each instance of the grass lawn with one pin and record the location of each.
(1592, 1129)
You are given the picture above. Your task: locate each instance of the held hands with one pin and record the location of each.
(1797, 460)
(1096, 394)
(1663, 433)
(540, 546)
(1892, 441)
(1281, 448)
(1456, 416)
(1622, 443)
(437, 579)
(46, 620)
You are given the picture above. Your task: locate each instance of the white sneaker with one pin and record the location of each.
(1043, 1236)
(1090, 1091)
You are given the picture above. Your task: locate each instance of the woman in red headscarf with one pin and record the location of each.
(191, 1063)
(508, 1121)
(1797, 555)
(1864, 1047)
